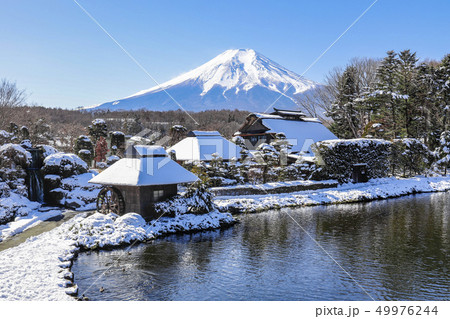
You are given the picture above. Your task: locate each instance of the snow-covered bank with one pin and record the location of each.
(105, 231)
(39, 268)
(375, 189)
(272, 188)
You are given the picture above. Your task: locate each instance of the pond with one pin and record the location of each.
(396, 249)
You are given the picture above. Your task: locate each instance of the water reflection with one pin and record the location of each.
(396, 249)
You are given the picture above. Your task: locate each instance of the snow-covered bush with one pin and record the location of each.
(196, 200)
(14, 205)
(100, 231)
(47, 150)
(101, 165)
(239, 141)
(85, 155)
(338, 156)
(26, 144)
(117, 143)
(112, 159)
(98, 129)
(64, 165)
(410, 157)
(66, 179)
(84, 148)
(14, 160)
(72, 192)
(5, 137)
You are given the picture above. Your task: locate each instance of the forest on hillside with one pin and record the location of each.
(61, 127)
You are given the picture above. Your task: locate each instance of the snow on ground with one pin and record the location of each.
(38, 269)
(375, 189)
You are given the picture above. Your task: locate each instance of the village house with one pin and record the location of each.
(201, 145)
(133, 184)
(301, 131)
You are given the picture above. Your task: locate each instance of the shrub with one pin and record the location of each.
(338, 156)
(14, 160)
(64, 165)
(196, 200)
(409, 157)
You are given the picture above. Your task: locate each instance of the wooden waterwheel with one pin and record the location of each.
(110, 200)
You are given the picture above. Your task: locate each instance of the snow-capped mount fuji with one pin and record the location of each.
(236, 79)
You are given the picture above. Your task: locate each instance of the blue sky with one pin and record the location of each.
(54, 51)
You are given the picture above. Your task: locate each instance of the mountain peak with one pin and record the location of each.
(236, 78)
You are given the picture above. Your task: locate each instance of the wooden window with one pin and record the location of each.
(158, 194)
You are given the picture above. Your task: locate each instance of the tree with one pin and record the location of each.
(101, 148)
(444, 151)
(84, 148)
(382, 99)
(10, 95)
(344, 110)
(41, 132)
(177, 132)
(98, 129)
(117, 143)
(407, 87)
(443, 90)
(319, 102)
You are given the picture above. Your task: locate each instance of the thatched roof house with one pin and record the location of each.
(201, 145)
(300, 130)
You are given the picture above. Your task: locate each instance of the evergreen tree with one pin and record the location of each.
(407, 88)
(98, 129)
(443, 91)
(382, 100)
(444, 151)
(427, 125)
(117, 143)
(84, 148)
(344, 110)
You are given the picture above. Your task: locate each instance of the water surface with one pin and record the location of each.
(395, 249)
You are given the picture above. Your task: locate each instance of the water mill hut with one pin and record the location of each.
(133, 184)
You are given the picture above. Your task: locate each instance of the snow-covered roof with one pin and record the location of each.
(144, 171)
(203, 133)
(279, 117)
(150, 150)
(202, 147)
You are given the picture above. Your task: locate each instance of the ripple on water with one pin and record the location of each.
(395, 249)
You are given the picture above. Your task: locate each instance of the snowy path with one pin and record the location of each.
(36, 269)
(17, 234)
